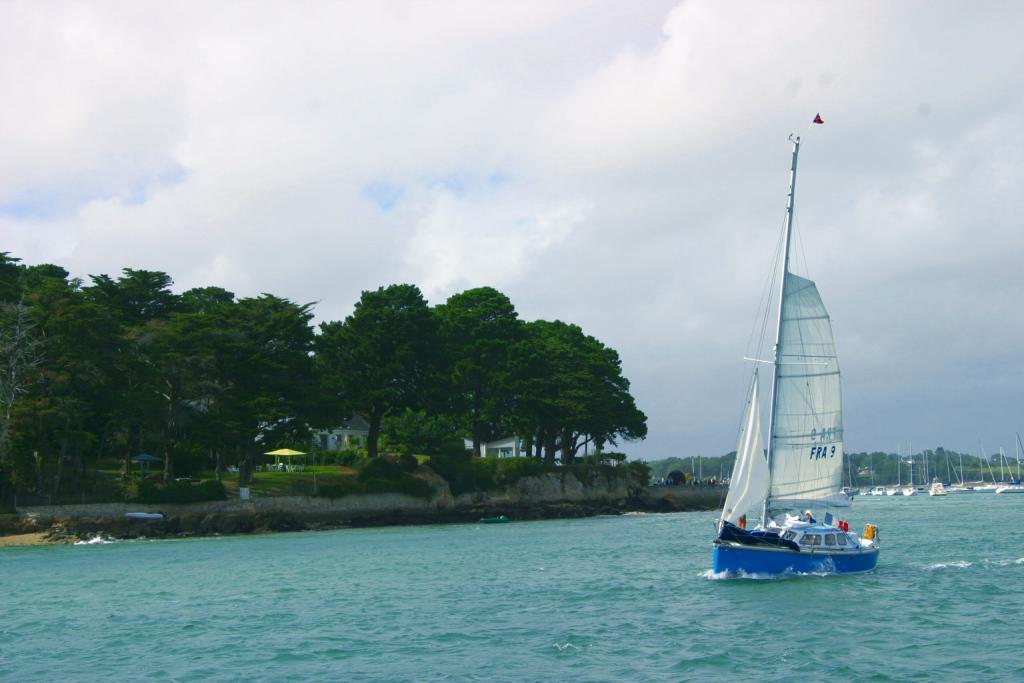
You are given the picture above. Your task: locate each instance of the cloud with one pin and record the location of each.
(459, 243)
(620, 166)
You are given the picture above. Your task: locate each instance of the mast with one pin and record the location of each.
(910, 449)
(1017, 451)
(899, 466)
(778, 328)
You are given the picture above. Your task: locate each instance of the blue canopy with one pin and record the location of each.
(146, 457)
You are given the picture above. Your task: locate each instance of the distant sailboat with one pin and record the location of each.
(1016, 486)
(803, 466)
(910, 490)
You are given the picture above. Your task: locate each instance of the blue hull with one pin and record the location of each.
(773, 561)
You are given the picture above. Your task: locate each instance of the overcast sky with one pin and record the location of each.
(619, 165)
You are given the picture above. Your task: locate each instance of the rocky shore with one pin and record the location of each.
(549, 497)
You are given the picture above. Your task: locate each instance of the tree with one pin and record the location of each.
(266, 385)
(416, 431)
(382, 359)
(20, 358)
(479, 327)
(138, 295)
(570, 391)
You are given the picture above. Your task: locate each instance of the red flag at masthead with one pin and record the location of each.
(818, 119)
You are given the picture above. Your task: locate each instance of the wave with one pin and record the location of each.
(959, 564)
(964, 564)
(1003, 563)
(712, 575)
(98, 539)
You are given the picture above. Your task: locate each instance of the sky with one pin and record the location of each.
(620, 165)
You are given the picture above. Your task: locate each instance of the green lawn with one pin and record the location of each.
(288, 483)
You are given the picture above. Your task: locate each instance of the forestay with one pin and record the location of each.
(748, 485)
(807, 447)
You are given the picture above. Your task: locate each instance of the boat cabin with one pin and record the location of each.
(820, 538)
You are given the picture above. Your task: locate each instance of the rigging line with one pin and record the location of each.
(762, 304)
(803, 251)
(766, 298)
(779, 246)
(763, 311)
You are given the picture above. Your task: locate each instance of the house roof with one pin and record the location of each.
(356, 423)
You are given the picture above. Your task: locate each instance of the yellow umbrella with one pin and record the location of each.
(287, 452)
(283, 453)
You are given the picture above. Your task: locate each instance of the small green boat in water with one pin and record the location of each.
(500, 519)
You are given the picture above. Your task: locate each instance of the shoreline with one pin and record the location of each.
(69, 524)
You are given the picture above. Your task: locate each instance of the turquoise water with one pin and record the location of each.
(602, 599)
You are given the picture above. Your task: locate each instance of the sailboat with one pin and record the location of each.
(896, 490)
(910, 490)
(1015, 486)
(803, 465)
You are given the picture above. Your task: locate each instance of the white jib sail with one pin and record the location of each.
(748, 485)
(807, 451)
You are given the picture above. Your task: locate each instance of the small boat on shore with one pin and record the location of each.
(143, 515)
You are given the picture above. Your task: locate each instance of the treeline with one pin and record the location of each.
(865, 469)
(929, 464)
(114, 367)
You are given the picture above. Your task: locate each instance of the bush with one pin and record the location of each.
(460, 473)
(179, 492)
(409, 485)
(639, 472)
(189, 463)
(345, 487)
(408, 462)
(508, 471)
(381, 468)
(348, 457)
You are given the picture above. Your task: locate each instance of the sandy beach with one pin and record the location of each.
(35, 538)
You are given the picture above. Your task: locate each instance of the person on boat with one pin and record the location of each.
(809, 518)
(742, 522)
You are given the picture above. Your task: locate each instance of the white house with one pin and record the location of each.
(351, 434)
(508, 447)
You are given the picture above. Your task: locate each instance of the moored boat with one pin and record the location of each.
(937, 489)
(802, 466)
(500, 519)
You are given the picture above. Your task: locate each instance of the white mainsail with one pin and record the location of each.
(807, 447)
(748, 485)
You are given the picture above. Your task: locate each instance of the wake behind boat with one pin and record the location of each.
(803, 466)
